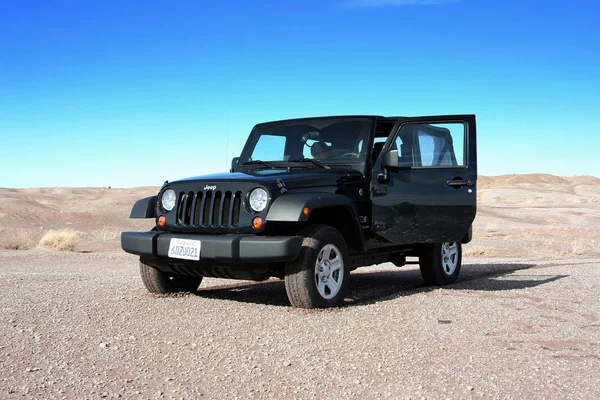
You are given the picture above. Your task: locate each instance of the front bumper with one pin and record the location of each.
(227, 248)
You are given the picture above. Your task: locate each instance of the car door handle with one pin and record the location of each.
(459, 182)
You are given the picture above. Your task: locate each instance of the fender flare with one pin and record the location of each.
(468, 236)
(288, 208)
(144, 208)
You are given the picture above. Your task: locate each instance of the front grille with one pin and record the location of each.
(210, 208)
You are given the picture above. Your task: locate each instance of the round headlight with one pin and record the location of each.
(258, 199)
(168, 199)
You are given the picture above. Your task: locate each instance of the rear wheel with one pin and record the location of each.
(160, 282)
(319, 277)
(440, 263)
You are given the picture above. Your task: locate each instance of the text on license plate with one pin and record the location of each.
(185, 249)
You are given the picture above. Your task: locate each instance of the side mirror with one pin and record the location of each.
(389, 162)
(234, 164)
(390, 159)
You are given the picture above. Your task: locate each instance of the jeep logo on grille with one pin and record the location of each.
(207, 187)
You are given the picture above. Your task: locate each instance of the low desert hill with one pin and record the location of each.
(99, 215)
(538, 215)
(535, 215)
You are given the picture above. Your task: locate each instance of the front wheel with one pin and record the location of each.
(160, 282)
(319, 277)
(440, 263)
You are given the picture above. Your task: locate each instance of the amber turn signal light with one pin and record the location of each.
(306, 211)
(162, 220)
(257, 223)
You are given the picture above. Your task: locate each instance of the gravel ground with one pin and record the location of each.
(81, 326)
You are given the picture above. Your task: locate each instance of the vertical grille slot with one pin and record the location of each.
(236, 204)
(216, 214)
(206, 208)
(198, 208)
(189, 201)
(226, 211)
(180, 208)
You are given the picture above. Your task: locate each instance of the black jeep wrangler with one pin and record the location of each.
(309, 200)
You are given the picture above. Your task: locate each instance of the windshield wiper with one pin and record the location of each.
(310, 160)
(254, 162)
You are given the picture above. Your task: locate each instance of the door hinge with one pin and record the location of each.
(379, 191)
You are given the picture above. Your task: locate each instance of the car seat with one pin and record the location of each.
(319, 150)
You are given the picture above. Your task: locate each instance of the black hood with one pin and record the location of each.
(271, 177)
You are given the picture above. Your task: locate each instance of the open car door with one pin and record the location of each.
(430, 195)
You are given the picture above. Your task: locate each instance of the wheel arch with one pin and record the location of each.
(468, 236)
(340, 218)
(328, 209)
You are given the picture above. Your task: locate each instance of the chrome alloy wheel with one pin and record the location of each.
(329, 271)
(449, 257)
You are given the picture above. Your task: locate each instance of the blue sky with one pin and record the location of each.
(127, 93)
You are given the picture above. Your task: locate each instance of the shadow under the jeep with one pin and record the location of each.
(370, 287)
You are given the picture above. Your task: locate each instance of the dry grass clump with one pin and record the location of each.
(573, 246)
(557, 241)
(108, 233)
(473, 251)
(63, 239)
(18, 242)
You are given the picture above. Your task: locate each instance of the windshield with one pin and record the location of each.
(325, 141)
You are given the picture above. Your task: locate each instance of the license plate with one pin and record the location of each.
(185, 249)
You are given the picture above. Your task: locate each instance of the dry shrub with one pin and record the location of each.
(18, 242)
(108, 233)
(583, 247)
(473, 251)
(574, 246)
(63, 239)
(556, 241)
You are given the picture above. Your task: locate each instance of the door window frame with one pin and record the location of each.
(416, 150)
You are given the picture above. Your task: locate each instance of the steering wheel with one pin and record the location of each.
(348, 155)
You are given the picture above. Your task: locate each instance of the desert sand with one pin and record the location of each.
(522, 321)
(537, 215)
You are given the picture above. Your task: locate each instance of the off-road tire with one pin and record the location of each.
(301, 274)
(160, 282)
(440, 263)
